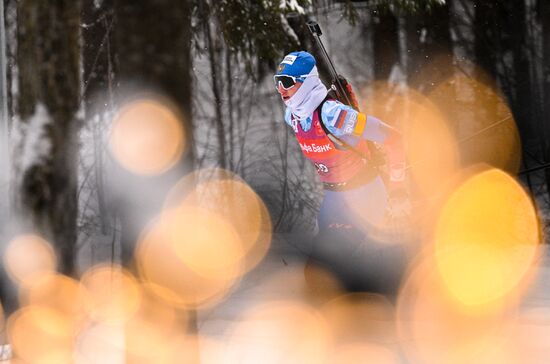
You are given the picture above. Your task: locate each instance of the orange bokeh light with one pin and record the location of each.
(41, 335)
(224, 194)
(483, 123)
(100, 343)
(487, 239)
(432, 154)
(435, 328)
(147, 137)
(204, 242)
(28, 257)
(114, 294)
(164, 266)
(361, 317)
(363, 353)
(193, 349)
(279, 332)
(58, 293)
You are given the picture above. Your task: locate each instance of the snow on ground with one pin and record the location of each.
(286, 263)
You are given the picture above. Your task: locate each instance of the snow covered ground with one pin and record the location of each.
(280, 278)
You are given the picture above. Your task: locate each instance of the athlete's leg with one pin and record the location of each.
(346, 244)
(366, 206)
(333, 212)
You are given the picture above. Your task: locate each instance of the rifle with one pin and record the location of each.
(339, 83)
(345, 94)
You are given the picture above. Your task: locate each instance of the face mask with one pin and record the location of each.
(304, 102)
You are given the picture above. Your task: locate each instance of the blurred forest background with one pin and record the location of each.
(69, 66)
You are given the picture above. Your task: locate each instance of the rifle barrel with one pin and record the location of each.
(316, 31)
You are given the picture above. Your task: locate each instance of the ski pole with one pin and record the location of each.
(315, 30)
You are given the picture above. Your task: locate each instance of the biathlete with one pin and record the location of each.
(348, 176)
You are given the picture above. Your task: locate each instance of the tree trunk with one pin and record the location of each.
(214, 49)
(8, 291)
(461, 19)
(403, 44)
(522, 107)
(544, 12)
(48, 63)
(4, 126)
(154, 52)
(428, 36)
(153, 43)
(385, 39)
(486, 27)
(154, 55)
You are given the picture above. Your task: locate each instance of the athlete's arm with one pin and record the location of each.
(346, 123)
(392, 142)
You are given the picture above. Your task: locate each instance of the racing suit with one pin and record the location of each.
(355, 194)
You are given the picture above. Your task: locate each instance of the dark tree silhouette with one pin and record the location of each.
(49, 81)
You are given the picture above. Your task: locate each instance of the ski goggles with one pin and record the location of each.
(287, 82)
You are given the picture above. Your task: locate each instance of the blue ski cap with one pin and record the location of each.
(296, 64)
